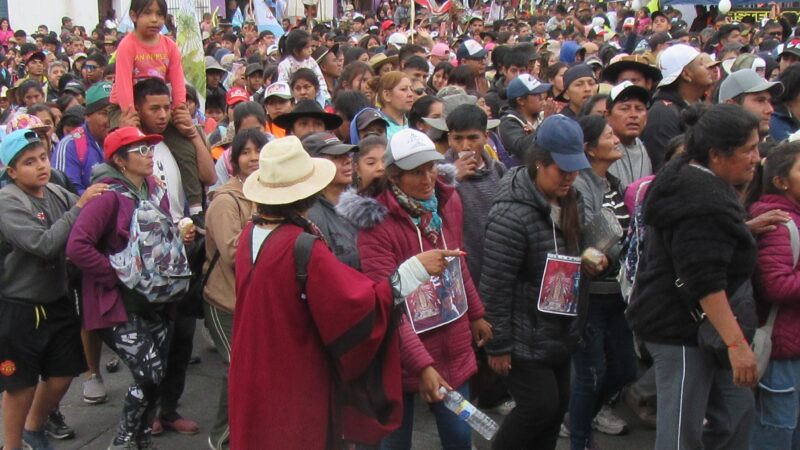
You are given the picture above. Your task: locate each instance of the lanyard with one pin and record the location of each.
(441, 233)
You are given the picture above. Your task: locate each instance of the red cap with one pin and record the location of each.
(237, 95)
(126, 136)
(386, 24)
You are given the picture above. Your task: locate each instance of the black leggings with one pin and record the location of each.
(542, 394)
(143, 344)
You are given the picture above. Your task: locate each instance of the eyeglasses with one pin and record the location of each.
(143, 150)
(776, 34)
(90, 67)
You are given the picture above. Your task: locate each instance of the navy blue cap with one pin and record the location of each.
(562, 138)
(525, 84)
(471, 49)
(573, 74)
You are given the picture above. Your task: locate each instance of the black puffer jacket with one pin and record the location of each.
(695, 231)
(519, 235)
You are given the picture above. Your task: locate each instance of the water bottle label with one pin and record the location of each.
(465, 410)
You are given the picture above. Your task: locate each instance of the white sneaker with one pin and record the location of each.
(504, 408)
(607, 422)
(564, 431)
(94, 391)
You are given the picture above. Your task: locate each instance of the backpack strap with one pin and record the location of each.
(302, 255)
(215, 258)
(56, 190)
(794, 239)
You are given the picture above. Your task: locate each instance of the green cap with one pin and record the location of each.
(97, 96)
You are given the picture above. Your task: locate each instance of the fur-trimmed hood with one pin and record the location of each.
(361, 211)
(366, 212)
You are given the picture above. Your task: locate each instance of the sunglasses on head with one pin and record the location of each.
(143, 150)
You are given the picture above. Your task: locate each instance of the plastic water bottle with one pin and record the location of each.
(467, 412)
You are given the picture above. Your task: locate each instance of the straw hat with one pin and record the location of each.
(286, 174)
(379, 59)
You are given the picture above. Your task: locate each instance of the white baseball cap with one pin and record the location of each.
(278, 89)
(673, 60)
(409, 149)
(397, 39)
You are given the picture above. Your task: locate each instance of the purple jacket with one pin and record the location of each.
(777, 281)
(103, 231)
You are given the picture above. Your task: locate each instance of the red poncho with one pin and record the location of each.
(282, 373)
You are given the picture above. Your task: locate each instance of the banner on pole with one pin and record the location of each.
(190, 44)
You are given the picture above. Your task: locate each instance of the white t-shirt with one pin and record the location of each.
(166, 170)
(259, 236)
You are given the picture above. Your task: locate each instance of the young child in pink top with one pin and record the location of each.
(146, 53)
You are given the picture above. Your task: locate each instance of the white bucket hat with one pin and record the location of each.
(673, 60)
(286, 174)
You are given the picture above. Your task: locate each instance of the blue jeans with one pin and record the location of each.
(778, 407)
(604, 365)
(454, 433)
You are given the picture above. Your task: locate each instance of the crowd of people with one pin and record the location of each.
(548, 208)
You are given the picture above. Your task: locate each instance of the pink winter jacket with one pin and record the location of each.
(777, 281)
(387, 245)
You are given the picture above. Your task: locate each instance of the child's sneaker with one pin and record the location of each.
(56, 426)
(35, 440)
(94, 391)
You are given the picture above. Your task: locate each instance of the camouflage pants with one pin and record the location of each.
(143, 344)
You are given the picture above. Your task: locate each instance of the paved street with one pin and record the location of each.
(95, 425)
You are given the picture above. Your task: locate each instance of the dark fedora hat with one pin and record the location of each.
(308, 108)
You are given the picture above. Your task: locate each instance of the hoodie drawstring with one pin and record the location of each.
(40, 314)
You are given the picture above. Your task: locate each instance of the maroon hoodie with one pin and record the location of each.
(102, 231)
(777, 280)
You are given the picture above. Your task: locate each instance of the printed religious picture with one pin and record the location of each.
(440, 301)
(558, 293)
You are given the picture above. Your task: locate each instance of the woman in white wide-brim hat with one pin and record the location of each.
(288, 338)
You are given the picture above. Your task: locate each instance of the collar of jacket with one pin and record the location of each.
(670, 94)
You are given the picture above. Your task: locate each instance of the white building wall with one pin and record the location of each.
(29, 14)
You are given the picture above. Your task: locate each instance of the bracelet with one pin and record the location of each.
(736, 344)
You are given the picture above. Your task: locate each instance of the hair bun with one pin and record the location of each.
(691, 115)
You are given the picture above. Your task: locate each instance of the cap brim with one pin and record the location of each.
(255, 191)
(774, 87)
(96, 106)
(480, 55)
(492, 123)
(542, 88)
(438, 123)
(373, 120)
(285, 121)
(727, 65)
(572, 162)
(633, 91)
(669, 79)
(612, 71)
(281, 96)
(417, 159)
(339, 149)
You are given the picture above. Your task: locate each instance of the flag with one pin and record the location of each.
(434, 7)
(265, 20)
(190, 44)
